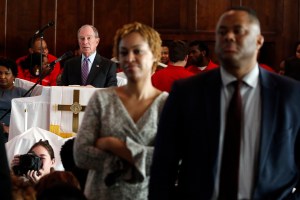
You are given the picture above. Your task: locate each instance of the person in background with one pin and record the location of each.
(164, 53)
(62, 191)
(54, 179)
(90, 68)
(32, 71)
(292, 64)
(199, 60)
(34, 46)
(118, 155)
(45, 152)
(21, 189)
(178, 55)
(67, 159)
(8, 72)
(201, 153)
(164, 60)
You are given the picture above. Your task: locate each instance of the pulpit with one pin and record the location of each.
(58, 109)
(67, 105)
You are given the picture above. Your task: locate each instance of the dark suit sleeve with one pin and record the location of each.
(64, 76)
(167, 150)
(111, 77)
(5, 181)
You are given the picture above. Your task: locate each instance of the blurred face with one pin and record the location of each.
(135, 56)
(87, 41)
(41, 152)
(298, 51)
(164, 55)
(36, 47)
(6, 78)
(196, 56)
(237, 39)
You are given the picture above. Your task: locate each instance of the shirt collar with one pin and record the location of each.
(91, 57)
(251, 79)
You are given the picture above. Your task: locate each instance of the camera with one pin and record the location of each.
(28, 162)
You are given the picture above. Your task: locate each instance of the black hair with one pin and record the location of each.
(9, 64)
(252, 13)
(67, 160)
(46, 145)
(32, 40)
(178, 50)
(201, 46)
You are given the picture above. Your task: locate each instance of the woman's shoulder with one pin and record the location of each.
(162, 96)
(104, 95)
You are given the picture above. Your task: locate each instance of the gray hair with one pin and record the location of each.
(94, 29)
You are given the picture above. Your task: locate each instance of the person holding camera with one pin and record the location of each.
(38, 162)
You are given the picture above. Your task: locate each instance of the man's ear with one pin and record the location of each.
(186, 58)
(260, 41)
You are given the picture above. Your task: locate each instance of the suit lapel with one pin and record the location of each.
(96, 66)
(77, 73)
(212, 98)
(269, 107)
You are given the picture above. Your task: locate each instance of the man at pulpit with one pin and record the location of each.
(90, 68)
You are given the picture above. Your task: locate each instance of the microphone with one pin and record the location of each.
(51, 23)
(65, 55)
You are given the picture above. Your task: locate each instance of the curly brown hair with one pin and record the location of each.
(150, 35)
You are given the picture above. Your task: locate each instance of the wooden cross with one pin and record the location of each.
(76, 108)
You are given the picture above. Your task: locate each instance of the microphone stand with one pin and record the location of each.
(41, 77)
(41, 55)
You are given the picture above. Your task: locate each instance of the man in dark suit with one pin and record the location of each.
(190, 144)
(100, 72)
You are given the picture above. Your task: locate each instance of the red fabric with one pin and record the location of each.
(164, 78)
(196, 70)
(49, 80)
(266, 67)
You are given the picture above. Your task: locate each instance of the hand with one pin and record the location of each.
(115, 146)
(34, 176)
(15, 161)
(5, 129)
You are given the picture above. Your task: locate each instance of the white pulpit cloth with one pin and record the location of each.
(29, 112)
(63, 121)
(27, 85)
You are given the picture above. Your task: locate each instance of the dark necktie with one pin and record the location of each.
(229, 174)
(84, 70)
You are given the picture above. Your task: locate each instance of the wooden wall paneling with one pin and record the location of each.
(167, 15)
(290, 28)
(108, 19)
(24, 18)
(142, 11)
(271, 16)
(2, 27)
(298, 20)
(71, 15)
(208, 13)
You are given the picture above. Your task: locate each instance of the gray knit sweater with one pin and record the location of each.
(109, 177)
